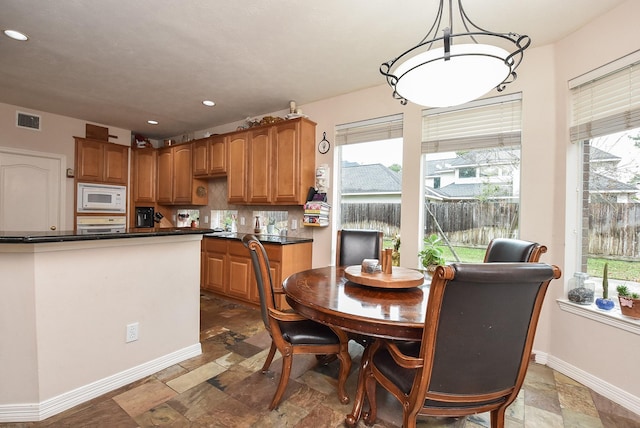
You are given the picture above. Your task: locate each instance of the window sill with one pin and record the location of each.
(613, 317)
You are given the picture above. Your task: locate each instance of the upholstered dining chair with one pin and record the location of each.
(478, 334)
(290, 332)
(355, 245)
(513, 250)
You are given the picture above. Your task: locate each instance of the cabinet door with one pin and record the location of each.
(89, 160)
(259, 186)
(214, 267)
(217, 156)
(165, 175)
(116, 163)
(182, 176)
(237, 171)
(200, 157)
(240, 275)
(144, 175)
(286, 167)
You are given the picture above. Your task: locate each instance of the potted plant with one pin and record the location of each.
(605, 302)
(431, 254)
(629, 302)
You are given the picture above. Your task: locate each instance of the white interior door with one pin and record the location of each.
(31, 190)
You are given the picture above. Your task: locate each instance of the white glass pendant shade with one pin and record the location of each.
(472, 71)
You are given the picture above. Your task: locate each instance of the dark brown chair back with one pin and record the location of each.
(355, 245)
(481, 326)
(478, 334)
(513, 250)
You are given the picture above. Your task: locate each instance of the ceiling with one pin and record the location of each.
(122, 62)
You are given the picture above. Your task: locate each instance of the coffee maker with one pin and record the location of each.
(144, 217)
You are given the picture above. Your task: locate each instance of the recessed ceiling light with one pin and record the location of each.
(152, 122)
(208, 103)
(16, 35)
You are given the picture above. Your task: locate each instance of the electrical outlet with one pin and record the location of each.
(206, 219)
(294, 224)
(132, 332)
(241, 221)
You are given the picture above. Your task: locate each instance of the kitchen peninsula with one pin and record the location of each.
(68, 301)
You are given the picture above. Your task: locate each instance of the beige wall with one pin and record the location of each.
(63, 326)
(56, 136)
(602, 351)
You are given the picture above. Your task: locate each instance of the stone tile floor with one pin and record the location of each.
(224, 387)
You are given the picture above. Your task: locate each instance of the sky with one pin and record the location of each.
(387, 152)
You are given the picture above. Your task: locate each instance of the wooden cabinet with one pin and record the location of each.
(101, 162)
(279, 160)
(237, 148)
(227, 268)
(210, 157)
(240, 271)
(259, 164)
(175, 182)
(213, 265)
(143, 175)
(294, 163)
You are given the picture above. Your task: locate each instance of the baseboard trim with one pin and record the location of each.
(603, 388)
(40, 411)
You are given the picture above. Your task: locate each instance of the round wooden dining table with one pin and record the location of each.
(326, 295)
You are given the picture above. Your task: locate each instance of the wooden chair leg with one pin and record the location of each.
(272, 353)
(497, 417)
(287, 361)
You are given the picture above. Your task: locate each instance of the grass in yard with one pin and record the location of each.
(618, 269)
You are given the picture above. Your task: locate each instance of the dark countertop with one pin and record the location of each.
(267, 239)
(9, 237)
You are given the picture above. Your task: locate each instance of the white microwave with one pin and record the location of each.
(101, 198)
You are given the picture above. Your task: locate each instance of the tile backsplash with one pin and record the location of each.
(218, 213)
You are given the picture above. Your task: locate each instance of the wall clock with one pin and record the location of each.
(324, 145)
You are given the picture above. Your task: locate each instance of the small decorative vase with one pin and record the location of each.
(395, 258)
(605, 304)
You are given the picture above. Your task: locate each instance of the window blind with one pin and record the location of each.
(480, 124)
(607, 103)
(382, 128)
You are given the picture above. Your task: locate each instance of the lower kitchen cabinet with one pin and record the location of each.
(228, 272)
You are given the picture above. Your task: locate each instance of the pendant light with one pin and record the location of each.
(455, 68)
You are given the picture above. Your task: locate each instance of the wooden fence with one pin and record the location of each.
(614, 229)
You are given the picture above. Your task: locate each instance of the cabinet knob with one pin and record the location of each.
(52, 228)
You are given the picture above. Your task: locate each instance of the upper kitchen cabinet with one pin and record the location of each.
(176, 184)
(101, 162)
(260, 164)
(143, 175)
(272, 164)
(237, 148)
(210, 157)
(294, 161)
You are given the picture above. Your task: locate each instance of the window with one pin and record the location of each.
(606, 127)
(370, 175)
(467, 172)
(471, 164)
